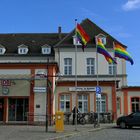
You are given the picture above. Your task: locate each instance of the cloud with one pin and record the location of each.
(131, 5)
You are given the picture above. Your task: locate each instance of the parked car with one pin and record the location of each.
(129, 121)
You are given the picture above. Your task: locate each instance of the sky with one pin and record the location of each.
(119, 18)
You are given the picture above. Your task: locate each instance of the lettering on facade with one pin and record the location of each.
(82, 89)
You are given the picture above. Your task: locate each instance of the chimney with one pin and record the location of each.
(59, 32)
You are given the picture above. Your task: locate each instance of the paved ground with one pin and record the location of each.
(110, 134)
(25, 132)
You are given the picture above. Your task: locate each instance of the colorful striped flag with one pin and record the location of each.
(82, 36)
(102, 50)
(122, 53)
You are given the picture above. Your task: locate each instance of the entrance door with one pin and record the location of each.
(18, 109)
(1, 108)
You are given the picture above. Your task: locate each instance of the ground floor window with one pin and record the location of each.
(101, 104)
(18, 109)
(83, 103)
(135, 103)
(65, 103)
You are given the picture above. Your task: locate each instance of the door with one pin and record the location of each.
(1, 108)
(18, 109)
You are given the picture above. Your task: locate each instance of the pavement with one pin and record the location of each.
(29, 132)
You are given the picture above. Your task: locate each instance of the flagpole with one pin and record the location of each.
(115, 75)
(97, 103)
(76, 77)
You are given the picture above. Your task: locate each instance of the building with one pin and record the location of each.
(30, 83)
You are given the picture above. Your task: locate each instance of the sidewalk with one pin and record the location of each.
(25, 132)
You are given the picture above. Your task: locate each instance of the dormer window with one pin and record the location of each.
(2, 50)
(22, 49)
(103, 38)
(76, 41)
(46, 49)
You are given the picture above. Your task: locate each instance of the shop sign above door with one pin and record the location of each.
(6, 82)
(82, 89)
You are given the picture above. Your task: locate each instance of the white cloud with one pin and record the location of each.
(131, 5)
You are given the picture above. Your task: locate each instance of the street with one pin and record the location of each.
(110, 134)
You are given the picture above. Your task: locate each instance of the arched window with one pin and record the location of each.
(135, 103)
(83, 103)
(65, 102)
(101, 104)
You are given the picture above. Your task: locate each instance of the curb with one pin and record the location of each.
(78, 133)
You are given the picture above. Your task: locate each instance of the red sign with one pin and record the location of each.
(5, 82)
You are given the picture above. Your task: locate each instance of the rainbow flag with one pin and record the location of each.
(82, 36)
(122, 53)
(102, 50)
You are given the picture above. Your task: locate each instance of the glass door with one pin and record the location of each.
(1, 109)
(17, 109)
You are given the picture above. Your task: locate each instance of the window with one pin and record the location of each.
(135, 102)
(112, 69)
(83, 103)
(101, 104)
(90, 66)
(76, 41)
(2, 50)
(118, 103)
(67, 66)
(65, 103)
(23, 49)
(46, 49)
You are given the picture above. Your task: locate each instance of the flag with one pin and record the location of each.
(82, 36)
(102, 50)
(122, 53)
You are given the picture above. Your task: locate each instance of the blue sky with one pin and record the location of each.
(120, 18)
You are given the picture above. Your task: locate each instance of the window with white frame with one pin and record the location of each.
(65, 103)
(46, 50)
(90, 66)
(2, 49)
(23, 49)
(135, 104)
(67, 66)
(83, 103)
(112, 69)
(101, 104)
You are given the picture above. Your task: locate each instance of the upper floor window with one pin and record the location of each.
(76, 41)
(67, 66)
(103, 38)
(90, 66)
(46, 49)
(65, 103)
(112, 69)
(2, 49)
(22, 49)
(83, 103)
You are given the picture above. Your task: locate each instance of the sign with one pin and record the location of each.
(40, 89)
(82, 89)
(5, 82)
(98, 91)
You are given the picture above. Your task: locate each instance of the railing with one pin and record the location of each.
(89, 118)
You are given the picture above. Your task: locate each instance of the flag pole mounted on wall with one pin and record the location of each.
(97, 102)
(76, 75)
(115, 79)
